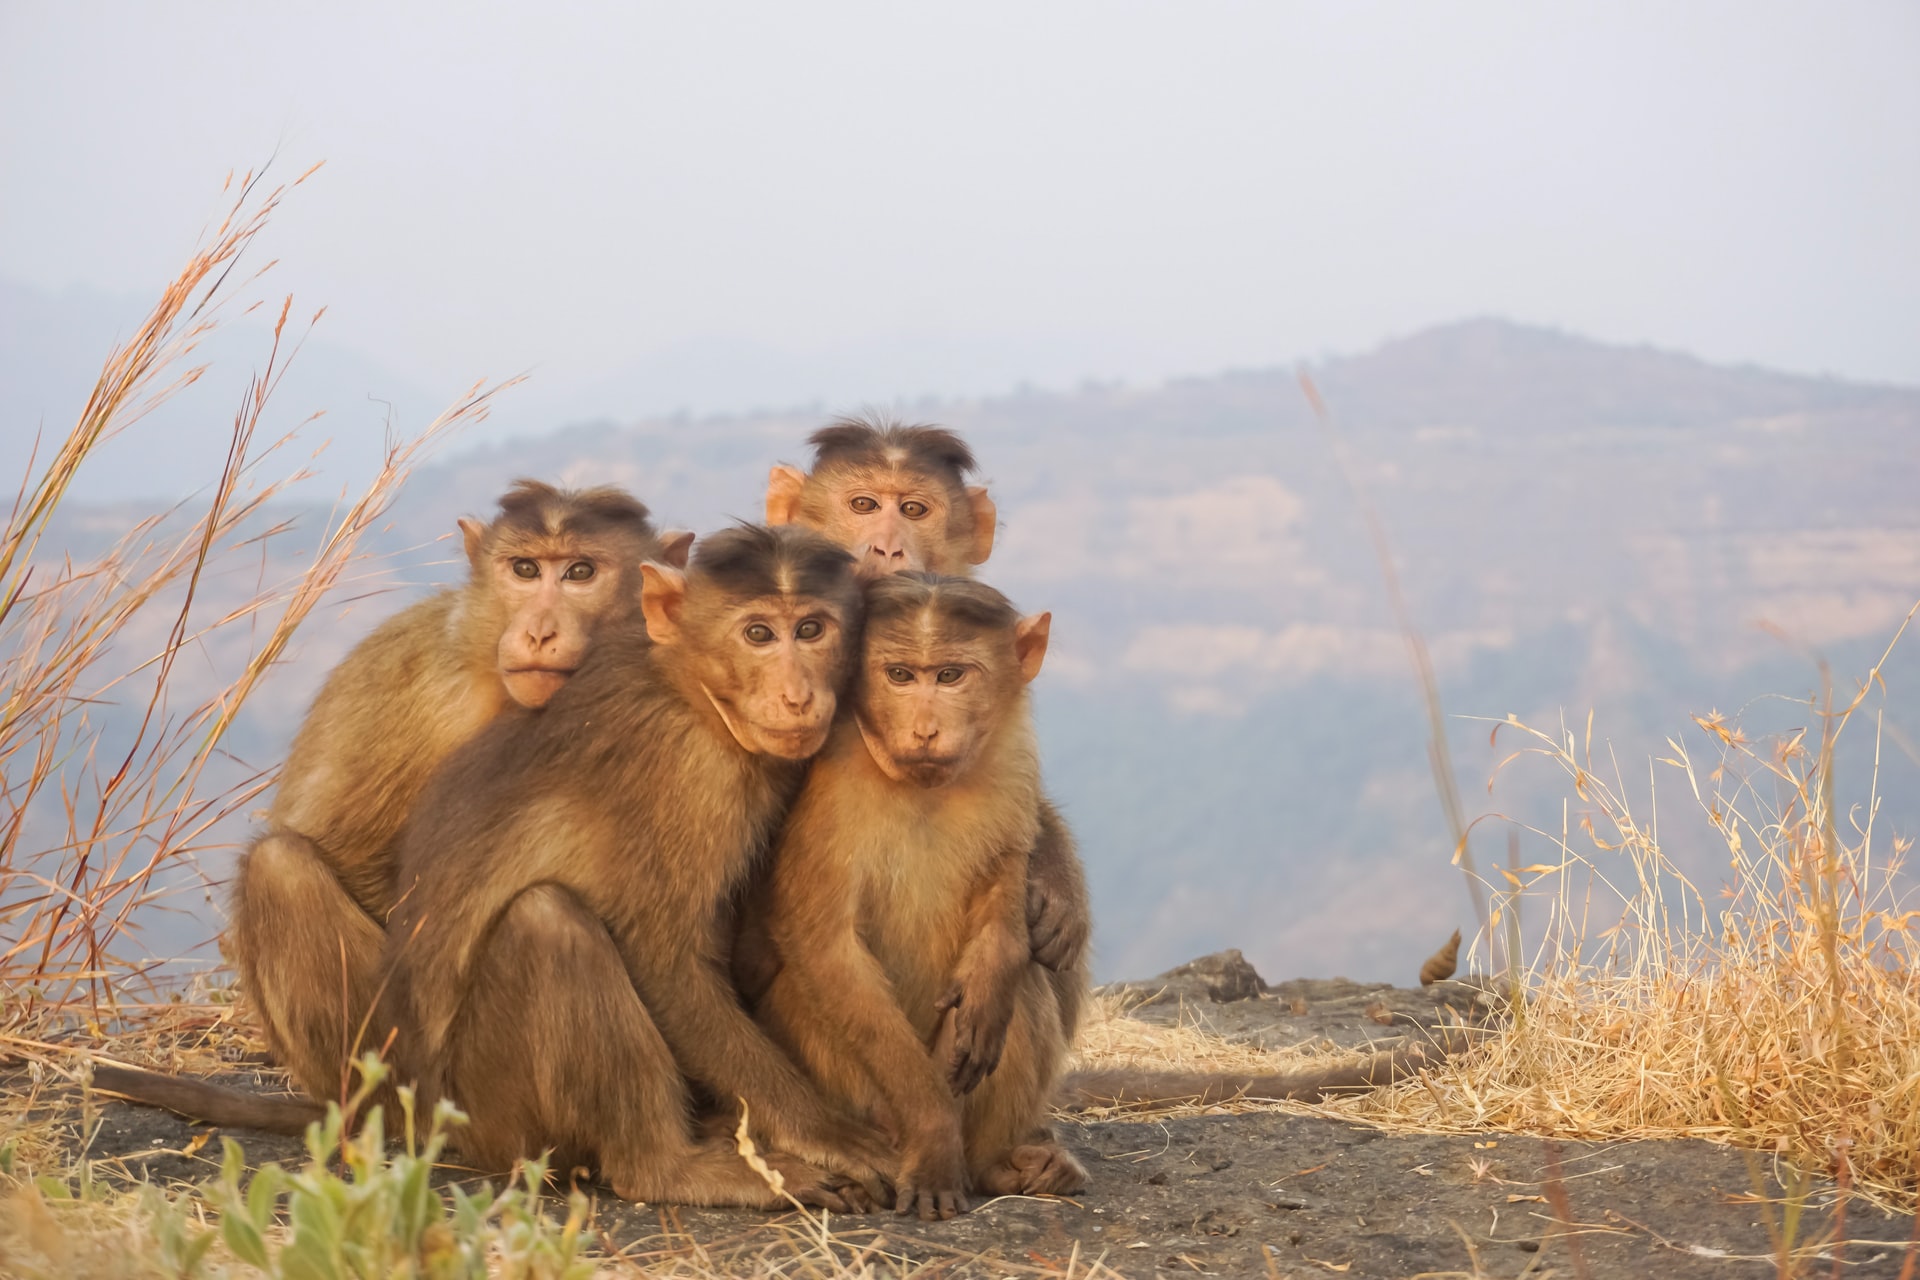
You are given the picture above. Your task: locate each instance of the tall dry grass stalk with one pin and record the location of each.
(112, 777)
(1783, 1015)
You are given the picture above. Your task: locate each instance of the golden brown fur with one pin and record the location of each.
(898, 901)
(312, 893)
(897, 497)
(557, 966)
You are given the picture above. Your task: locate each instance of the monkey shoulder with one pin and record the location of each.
(384, 717)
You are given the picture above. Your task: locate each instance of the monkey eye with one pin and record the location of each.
(951, 675)
(913, 508)
(579, 571)
(864, 505)
(759, 633)
(526, 568)
(900, 675)
(809, 630)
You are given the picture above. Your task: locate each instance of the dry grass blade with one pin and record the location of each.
(1439, 755)
(114, 775)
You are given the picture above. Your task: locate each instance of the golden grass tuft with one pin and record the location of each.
(1784, 1019)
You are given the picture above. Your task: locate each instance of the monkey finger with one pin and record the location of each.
(1061, 947)
(823, 1195)
(964, 1074)
(950, 998)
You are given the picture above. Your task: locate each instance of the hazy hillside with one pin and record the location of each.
(1227, 711)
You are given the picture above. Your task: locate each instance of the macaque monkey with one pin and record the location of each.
(897, 497)
(311, 896)
(898, 901)
(557, 964)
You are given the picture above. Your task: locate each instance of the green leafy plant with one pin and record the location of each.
(379, 1215)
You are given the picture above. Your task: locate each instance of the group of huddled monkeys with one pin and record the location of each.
(616, 839)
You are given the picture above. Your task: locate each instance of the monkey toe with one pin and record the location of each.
(1046, 1169)
(930, 1204)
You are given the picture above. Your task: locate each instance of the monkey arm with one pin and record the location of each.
(715, 1042)
(1059, 921)
(986, 979)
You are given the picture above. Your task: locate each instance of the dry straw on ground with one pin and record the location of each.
(1783, 1016)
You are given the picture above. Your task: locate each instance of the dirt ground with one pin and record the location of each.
(1262, 1194)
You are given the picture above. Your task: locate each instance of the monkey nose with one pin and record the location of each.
(798, 703)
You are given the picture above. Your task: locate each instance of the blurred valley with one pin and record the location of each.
(1228, 712)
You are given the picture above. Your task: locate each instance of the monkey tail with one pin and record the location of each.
(1132, 1089)
(210, 1103)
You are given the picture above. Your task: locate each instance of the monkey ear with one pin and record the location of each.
(1030, 643)
(784, 484)
(663, 591)
(985, 516)
(473, 533)
(674, 546)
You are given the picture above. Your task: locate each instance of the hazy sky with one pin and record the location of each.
(872, 200)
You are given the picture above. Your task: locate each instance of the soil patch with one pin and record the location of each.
(1271, 1192)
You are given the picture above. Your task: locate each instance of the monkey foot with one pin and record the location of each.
(821, 1188)
(1035, 1169)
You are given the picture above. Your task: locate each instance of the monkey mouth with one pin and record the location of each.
(928, 770)
(791, 744)
(534, 686)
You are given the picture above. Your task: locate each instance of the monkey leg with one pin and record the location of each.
(309, 959)
(552, 1048)
(1010, 1150)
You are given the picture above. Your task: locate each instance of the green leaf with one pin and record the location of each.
(246, 1240)
(233, 1163)
(263, 1195)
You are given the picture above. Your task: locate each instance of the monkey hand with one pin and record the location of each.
(933, 1185)
(1058, 924)
(976, 1034)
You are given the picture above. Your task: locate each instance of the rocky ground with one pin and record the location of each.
(1268, 1193)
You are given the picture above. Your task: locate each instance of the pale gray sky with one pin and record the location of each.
(869, 200)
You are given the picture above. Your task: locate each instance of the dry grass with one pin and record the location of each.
(115, 778)
(1784, 1017)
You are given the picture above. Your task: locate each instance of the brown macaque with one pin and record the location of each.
(311, 896)
(557, 967)
(897, 497)
(898, 895)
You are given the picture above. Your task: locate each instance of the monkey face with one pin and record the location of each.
(549, 571)
(773, 671)
(931, 691)
(762, 629)
(550, 604)
(893, 517)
